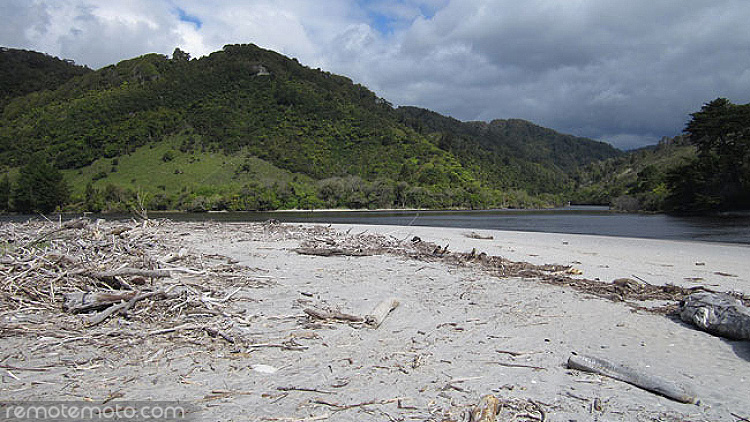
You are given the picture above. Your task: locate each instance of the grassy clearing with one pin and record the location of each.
(162, 167)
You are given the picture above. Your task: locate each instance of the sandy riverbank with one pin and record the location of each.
(460, 332)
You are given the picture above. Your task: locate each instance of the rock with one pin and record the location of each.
(717, 313)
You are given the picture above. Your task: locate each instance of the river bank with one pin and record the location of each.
(232, 333)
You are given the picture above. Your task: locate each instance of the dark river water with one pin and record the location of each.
(731, 228)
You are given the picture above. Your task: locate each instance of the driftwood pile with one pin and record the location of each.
(75, 275)
(79, 274)
(628, 290)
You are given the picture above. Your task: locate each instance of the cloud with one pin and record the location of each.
(588, 67)
(626, 72)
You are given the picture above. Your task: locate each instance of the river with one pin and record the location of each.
(730, 228)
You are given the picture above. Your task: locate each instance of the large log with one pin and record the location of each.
(623, 373)
(717, 313)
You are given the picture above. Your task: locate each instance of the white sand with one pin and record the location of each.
(442, 349)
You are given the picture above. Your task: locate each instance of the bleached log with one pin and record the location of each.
(376, 317)
(623, 373)
(717, 313)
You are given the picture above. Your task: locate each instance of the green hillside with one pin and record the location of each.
(247, 128)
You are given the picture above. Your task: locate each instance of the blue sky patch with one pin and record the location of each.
(382, 23)
(185, 17)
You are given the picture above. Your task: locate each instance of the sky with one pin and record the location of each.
(627, 72)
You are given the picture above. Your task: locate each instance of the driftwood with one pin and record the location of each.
(717, 313)
(128, 272)
(113, 278)
(121, 307)
(486, 410)
(321, 314)
(623, 373)
(376, 317)
(626, 290)
(475, 235)
(77, 223)
(80, 302)
(373, 319)
(333, 252)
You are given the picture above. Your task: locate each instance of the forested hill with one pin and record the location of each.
(23, 72)
(519, 152)
(290, 134)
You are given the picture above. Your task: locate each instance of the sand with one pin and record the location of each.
(458, 334)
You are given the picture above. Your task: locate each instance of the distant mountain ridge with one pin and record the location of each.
(245, 101)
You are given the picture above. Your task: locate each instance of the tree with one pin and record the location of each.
(40, 188)
(93, 200)
(720, 177)
(180, 55)
(5, 193)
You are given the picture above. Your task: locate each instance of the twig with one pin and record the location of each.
(188, 326)
(514, 354)
(306, 389)
(16, 368)
(292, 419)
(351, 406)
(333, 252)
(279, 345)
(519, 365)
(128, 272)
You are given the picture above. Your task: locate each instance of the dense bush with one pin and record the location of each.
(39, 188)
